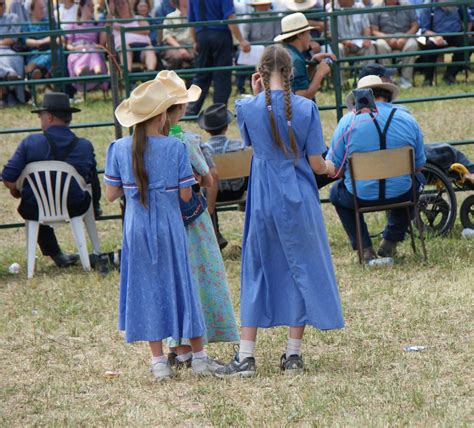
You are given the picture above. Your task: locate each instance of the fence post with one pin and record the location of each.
(54, 44)
(336, 65)
(125, 63)
(114, 80)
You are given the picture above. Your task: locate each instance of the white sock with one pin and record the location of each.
(201, 355)
(184, 357)
(246, 349)
(293, 347)
(163, 359)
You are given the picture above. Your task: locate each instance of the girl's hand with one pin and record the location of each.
(257, 85)
(330, 168)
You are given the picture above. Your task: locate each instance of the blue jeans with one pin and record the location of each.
(343, 201)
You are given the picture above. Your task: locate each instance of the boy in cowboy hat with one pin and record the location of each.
(57, 142)
(391, 128)
(296, 38)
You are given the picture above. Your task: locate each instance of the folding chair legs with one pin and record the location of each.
(359, 237)
(419, 226)
(410, 228)
(80, 237)
(32, 229)
(89, 220)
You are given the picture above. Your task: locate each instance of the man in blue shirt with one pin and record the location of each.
(390, 128)
(434, 22)
(57, 142)
(213, 44)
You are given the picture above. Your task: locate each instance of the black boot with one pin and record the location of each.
(64, 260)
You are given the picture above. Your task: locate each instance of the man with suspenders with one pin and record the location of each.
(57, 142)
(389, 128)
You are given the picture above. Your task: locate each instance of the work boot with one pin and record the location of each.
(387, 248)
(368, 254)
(64, 260)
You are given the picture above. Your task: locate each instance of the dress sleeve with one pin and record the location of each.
(241, 123)
(196, 157)
(314, 144)
(112, 170)
(186, 176)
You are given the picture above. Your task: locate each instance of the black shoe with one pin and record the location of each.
(64, 260)
(235, 368)
(221, 241)
(292, 365)
(449, 79)
(428, 82)
(172, 358)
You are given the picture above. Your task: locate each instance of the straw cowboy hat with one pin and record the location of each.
(299, 5)
(260, 2)
(177, 87)
(146, 101)
(373, 82)
(291, 25)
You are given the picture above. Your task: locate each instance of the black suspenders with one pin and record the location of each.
(68, 149)
(383, 146)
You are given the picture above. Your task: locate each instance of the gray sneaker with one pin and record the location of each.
(204, 366)
(235, 368)
(162, 371)
(292, 365)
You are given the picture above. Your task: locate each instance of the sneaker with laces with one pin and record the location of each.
(204, 366)
(235, 368)
(162, 371)
(292, 365)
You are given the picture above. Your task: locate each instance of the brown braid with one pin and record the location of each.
(288, 110)
(138, 161)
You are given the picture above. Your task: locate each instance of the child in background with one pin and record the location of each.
(207, 266)
(215, 121)
(287, 272)
(158, 298)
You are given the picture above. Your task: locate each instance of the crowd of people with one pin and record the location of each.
(176, 47)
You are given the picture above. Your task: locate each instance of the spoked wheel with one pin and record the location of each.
(467, 212)
(437, 202)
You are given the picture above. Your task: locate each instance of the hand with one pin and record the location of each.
(184, 53)
(401, 43)
(245, 45)
(439, 41)
(393, 43)
(366, 43)
(321, 56)
(348, 44)
(15, 193)
(257, 85)
(323, 69)
(330, 168)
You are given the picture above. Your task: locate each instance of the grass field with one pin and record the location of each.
(58, 330)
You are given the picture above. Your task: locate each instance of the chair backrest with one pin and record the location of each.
(382, 164)
(51, 199)
(232, 165)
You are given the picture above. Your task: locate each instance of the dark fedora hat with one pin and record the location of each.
(215, 117)
(56, 101)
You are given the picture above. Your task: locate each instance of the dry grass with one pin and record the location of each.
(59, 330)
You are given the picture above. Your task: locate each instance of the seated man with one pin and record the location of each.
(396, 23)
(57, 142)
(215, 121)
(391, 128)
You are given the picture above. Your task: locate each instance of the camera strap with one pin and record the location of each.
(383, 145)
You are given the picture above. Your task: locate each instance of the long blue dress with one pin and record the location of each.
(158, 298)
(287, 272)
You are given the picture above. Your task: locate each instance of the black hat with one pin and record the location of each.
(215, 117)
(376, 70)
(56, 101)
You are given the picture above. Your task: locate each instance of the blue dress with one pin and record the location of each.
(287, 272)
(158, 298)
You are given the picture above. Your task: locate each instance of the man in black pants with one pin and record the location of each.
(214, 48)
(57, 142)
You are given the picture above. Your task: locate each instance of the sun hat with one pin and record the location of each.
(260, 2)
(56, 101)
(299, 5)
(176, 87)
(373, 82)
(375, 69)
(291, 25)
(215, 117)
(147, 100)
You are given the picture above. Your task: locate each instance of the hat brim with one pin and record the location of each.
(285, 36)
(393, 89)
(298, 7)
(194, 92)
(52, 109)
(202, 125)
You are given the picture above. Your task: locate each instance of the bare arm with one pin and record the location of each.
(113, 192)
(321, 166)
(211, 192)
(234, 28)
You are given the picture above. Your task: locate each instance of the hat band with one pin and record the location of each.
(295, 29)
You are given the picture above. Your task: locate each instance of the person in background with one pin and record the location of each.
(396, 23)
(18, 7)
(180, 38)
(142, 9)
(67, 13)
(161, 9)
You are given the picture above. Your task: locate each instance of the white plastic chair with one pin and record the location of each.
(52, 207)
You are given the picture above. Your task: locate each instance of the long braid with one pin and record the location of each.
(288, 110)
(138, 161)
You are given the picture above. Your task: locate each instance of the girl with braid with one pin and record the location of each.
(287, 274)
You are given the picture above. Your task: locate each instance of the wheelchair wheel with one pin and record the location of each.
(437, 202)
(467, 212)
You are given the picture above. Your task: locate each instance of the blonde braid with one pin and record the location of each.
(288, 110)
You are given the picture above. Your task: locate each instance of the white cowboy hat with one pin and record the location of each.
(299, 5)
(291, 25)
(146, 101)
(176, 87)
(372, 81)
(260, 2)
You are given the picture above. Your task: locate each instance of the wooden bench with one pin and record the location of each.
(232, 165)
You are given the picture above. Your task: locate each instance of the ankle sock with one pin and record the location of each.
(184, 357)
(293, 347)
(201, 355)
(161, 359)
(246, 349)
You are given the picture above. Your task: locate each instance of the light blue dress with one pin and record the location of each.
(158, 298)
(287, 272)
